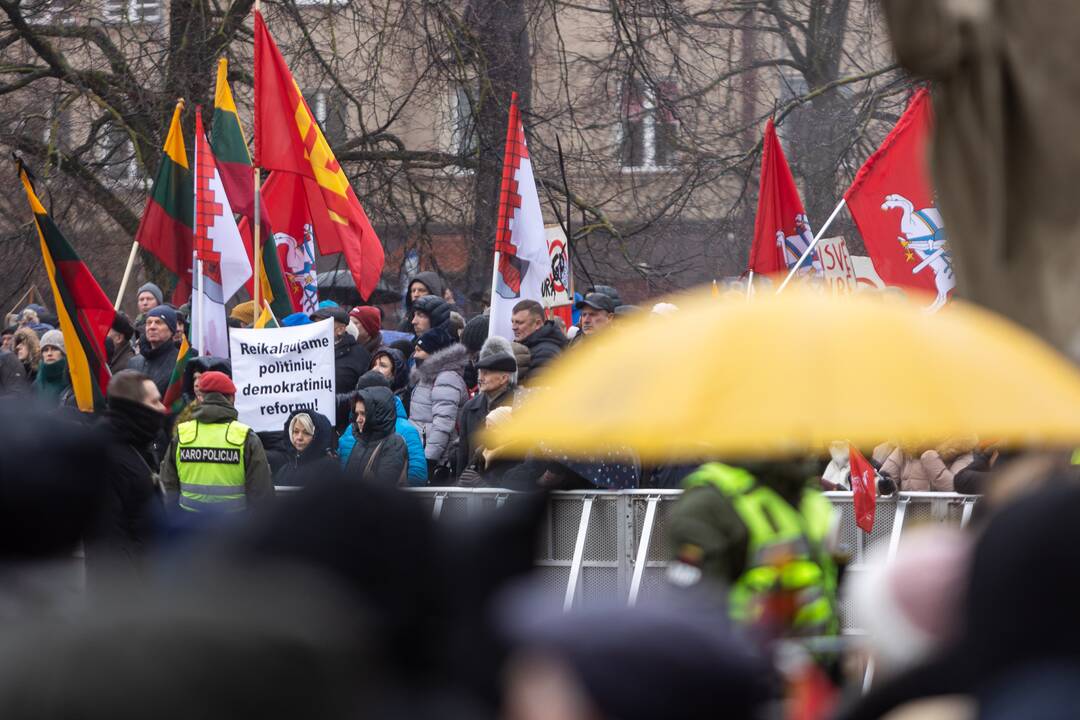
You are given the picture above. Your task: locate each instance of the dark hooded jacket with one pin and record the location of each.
(157, 363)
(316, 459)
(351, 361)
(434, 285)
(544, 345)
(133, 510)
(380, 454)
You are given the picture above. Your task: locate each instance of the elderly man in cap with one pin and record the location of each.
(157, 351)
(351, 359)
(497, 371)
(216, 464)
(597, 311)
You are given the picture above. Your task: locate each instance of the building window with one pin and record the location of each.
(462, 120)
(332, 113)
(116, 154)
(649, 128)
(58, 12)
(136, 11)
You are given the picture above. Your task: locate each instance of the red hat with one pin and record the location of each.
(369, 319)
(216, 382)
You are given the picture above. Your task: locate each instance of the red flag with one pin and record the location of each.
(288, 140)
(781, 230)
(286, 201)
(892, 202)
(864, 489)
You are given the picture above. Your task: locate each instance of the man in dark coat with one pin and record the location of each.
(157, 351)
(380, 454)
(498, 378)
(543, 338)
(132, 510)
(118, 343)
(351, 360)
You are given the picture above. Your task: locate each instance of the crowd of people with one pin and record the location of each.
(148, 491)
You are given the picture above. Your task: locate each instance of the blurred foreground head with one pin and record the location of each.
(241, 646)
(51, 482)
(675, 660)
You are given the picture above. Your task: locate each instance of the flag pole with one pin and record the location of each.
(811, 246)
(271, 311)
(749, 285)
(127, 274)
(256, 246)
(494, 285)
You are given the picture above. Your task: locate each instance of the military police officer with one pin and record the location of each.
(215, 463)
(761, 532)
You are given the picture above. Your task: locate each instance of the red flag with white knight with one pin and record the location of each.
(524, 263)
(892, 202)
(781, 229)
(863, 489)
(289, 140)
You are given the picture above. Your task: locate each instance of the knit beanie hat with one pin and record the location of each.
(153, 290)
(369, 319)
(244, 312)
(54, 338)
(215, 382)
(434, 340)
(167, 315)
(475, 333)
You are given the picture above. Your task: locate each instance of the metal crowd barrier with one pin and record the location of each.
(596, 545)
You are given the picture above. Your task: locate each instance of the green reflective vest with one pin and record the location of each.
(210, 465)
(786, 550)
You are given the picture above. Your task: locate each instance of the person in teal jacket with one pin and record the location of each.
(404, 428)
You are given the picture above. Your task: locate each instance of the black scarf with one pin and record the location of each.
(135, 423)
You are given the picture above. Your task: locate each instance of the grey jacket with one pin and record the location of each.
(439, 391)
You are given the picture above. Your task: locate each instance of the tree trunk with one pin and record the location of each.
(501, 40)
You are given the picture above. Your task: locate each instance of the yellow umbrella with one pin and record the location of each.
(786, 374)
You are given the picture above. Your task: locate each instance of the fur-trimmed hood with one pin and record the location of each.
(28, 337)
(453, 358)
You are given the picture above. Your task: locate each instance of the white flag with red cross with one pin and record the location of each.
(225, 263)
(522, 262)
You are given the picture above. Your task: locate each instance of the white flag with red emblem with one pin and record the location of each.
(225, 264)
(522, 262)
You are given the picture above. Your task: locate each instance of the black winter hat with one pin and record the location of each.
(597, 301)
(434, 340)
(435, 308)
(475, 333)
(372, 378)
(498, 361)
(122, 325)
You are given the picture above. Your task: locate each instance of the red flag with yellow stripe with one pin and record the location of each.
(289, 140)
(84, 312)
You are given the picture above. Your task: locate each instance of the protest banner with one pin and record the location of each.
(556, 294)
(836, 266)
(280, 370)
(865, 272)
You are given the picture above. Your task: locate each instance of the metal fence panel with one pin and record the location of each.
(597, 545)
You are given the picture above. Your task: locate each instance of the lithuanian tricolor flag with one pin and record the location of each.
(234, 164)
(85, 313)
(174, 399)
(166, 227)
